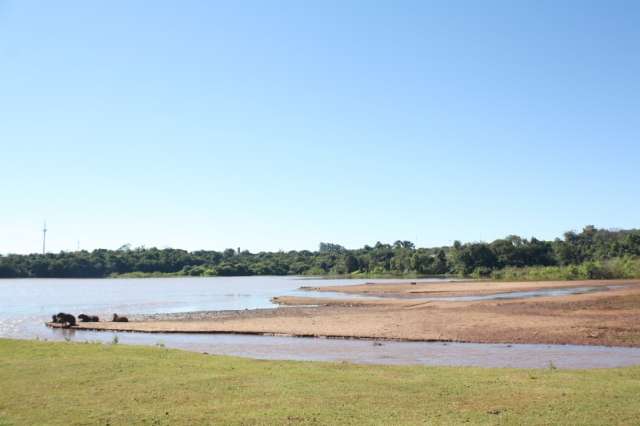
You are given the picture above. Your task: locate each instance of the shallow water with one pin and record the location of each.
(549, 292)
(366, 351)
(27, 303)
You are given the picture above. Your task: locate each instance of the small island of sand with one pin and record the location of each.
(605, 313)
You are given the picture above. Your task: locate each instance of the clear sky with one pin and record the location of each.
(276, 125)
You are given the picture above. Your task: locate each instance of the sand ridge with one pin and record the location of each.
(609, 317)
(459, 288)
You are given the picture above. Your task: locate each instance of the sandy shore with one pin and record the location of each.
(610, 317)
(458, 288)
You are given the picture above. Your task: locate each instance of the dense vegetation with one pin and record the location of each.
(75, 383)
(592, 253)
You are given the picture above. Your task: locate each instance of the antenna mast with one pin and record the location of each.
(44, 237)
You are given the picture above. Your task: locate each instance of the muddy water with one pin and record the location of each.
(26, 304)
(377, 352)
(545, 292)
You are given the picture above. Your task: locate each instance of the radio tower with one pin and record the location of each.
(44, 237)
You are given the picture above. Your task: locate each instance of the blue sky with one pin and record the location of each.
(276, 125)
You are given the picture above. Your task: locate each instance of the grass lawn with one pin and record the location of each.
(72, 383)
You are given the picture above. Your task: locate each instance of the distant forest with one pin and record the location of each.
(591, 253)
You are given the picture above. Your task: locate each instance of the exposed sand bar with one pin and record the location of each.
(610, 317)
(459, 288)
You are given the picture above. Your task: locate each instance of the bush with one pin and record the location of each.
(619, 268)
(482, 272)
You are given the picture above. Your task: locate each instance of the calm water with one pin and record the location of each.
(27, 303)
(549, 292)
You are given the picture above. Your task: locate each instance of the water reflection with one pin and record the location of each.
(26, 304)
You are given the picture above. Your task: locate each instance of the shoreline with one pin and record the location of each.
(603, 318)
(335, 337)
(462, 287)
(127, 384)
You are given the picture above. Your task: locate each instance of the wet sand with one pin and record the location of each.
(610, 317)
(459, 288)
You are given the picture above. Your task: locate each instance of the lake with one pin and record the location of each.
(25, 304)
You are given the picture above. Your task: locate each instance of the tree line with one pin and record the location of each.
(399, 258)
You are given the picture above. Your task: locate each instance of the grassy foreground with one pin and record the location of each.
(68, 383)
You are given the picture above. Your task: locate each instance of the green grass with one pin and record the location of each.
(617, 268)
(69, 383)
